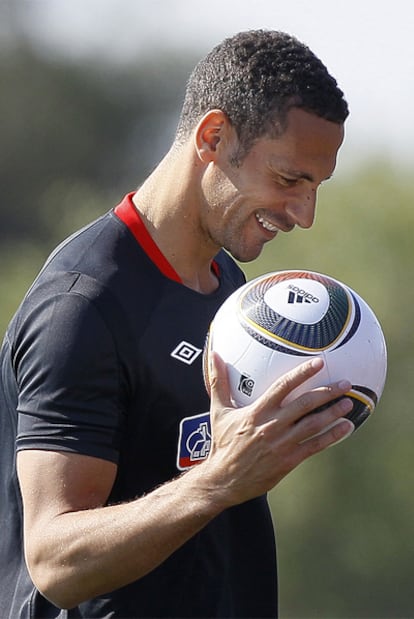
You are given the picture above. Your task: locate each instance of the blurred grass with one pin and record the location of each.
(344, 518)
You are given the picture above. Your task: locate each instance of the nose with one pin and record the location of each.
(301, 211)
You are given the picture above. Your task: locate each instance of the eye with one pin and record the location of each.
(287, 181)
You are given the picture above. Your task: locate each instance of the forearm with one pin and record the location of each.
(85, 553)
(77, 549)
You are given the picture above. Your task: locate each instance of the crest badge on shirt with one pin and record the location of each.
(194, 441)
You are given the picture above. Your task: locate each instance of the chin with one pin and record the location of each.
(246, 256)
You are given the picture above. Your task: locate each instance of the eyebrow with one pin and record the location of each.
(299, 175)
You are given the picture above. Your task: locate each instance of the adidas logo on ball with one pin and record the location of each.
(296, 295)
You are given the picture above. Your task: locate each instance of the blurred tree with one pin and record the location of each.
(345, 517)
(74, 139)
(64, 124)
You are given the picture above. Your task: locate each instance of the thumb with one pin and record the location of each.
(219, 383)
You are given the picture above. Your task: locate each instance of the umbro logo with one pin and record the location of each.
(298, 295)
(186, 352)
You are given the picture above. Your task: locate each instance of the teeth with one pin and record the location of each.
(266, 224)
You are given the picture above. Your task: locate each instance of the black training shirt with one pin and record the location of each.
(104, 358)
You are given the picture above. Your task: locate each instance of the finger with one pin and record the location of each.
(336, 433)
(219, 383)
(316, 423)
(318, 399)
(283, 385)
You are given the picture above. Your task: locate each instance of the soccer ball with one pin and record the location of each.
(278, 320)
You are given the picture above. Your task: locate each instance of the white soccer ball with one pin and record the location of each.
(278, 320)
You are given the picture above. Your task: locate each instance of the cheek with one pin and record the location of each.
(218, 190)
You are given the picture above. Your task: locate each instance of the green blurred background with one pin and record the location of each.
(77, 135)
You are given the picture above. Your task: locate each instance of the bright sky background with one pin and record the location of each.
(368, 45)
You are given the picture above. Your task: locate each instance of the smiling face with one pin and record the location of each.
(273, 188)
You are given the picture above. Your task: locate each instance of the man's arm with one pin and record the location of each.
(77, 547)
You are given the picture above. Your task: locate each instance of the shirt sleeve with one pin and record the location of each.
(68, 376)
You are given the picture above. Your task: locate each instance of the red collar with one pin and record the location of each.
(127, 213)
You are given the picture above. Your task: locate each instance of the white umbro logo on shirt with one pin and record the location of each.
(186, 352)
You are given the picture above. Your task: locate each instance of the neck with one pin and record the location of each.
(169, 205)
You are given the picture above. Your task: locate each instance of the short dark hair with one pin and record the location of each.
(255, 77)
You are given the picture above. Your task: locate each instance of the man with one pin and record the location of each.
(101, 366)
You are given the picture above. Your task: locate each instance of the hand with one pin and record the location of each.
(256, 446)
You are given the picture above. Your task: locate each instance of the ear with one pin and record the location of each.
(212, 132)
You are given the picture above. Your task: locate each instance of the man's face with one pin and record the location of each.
(274, 188)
